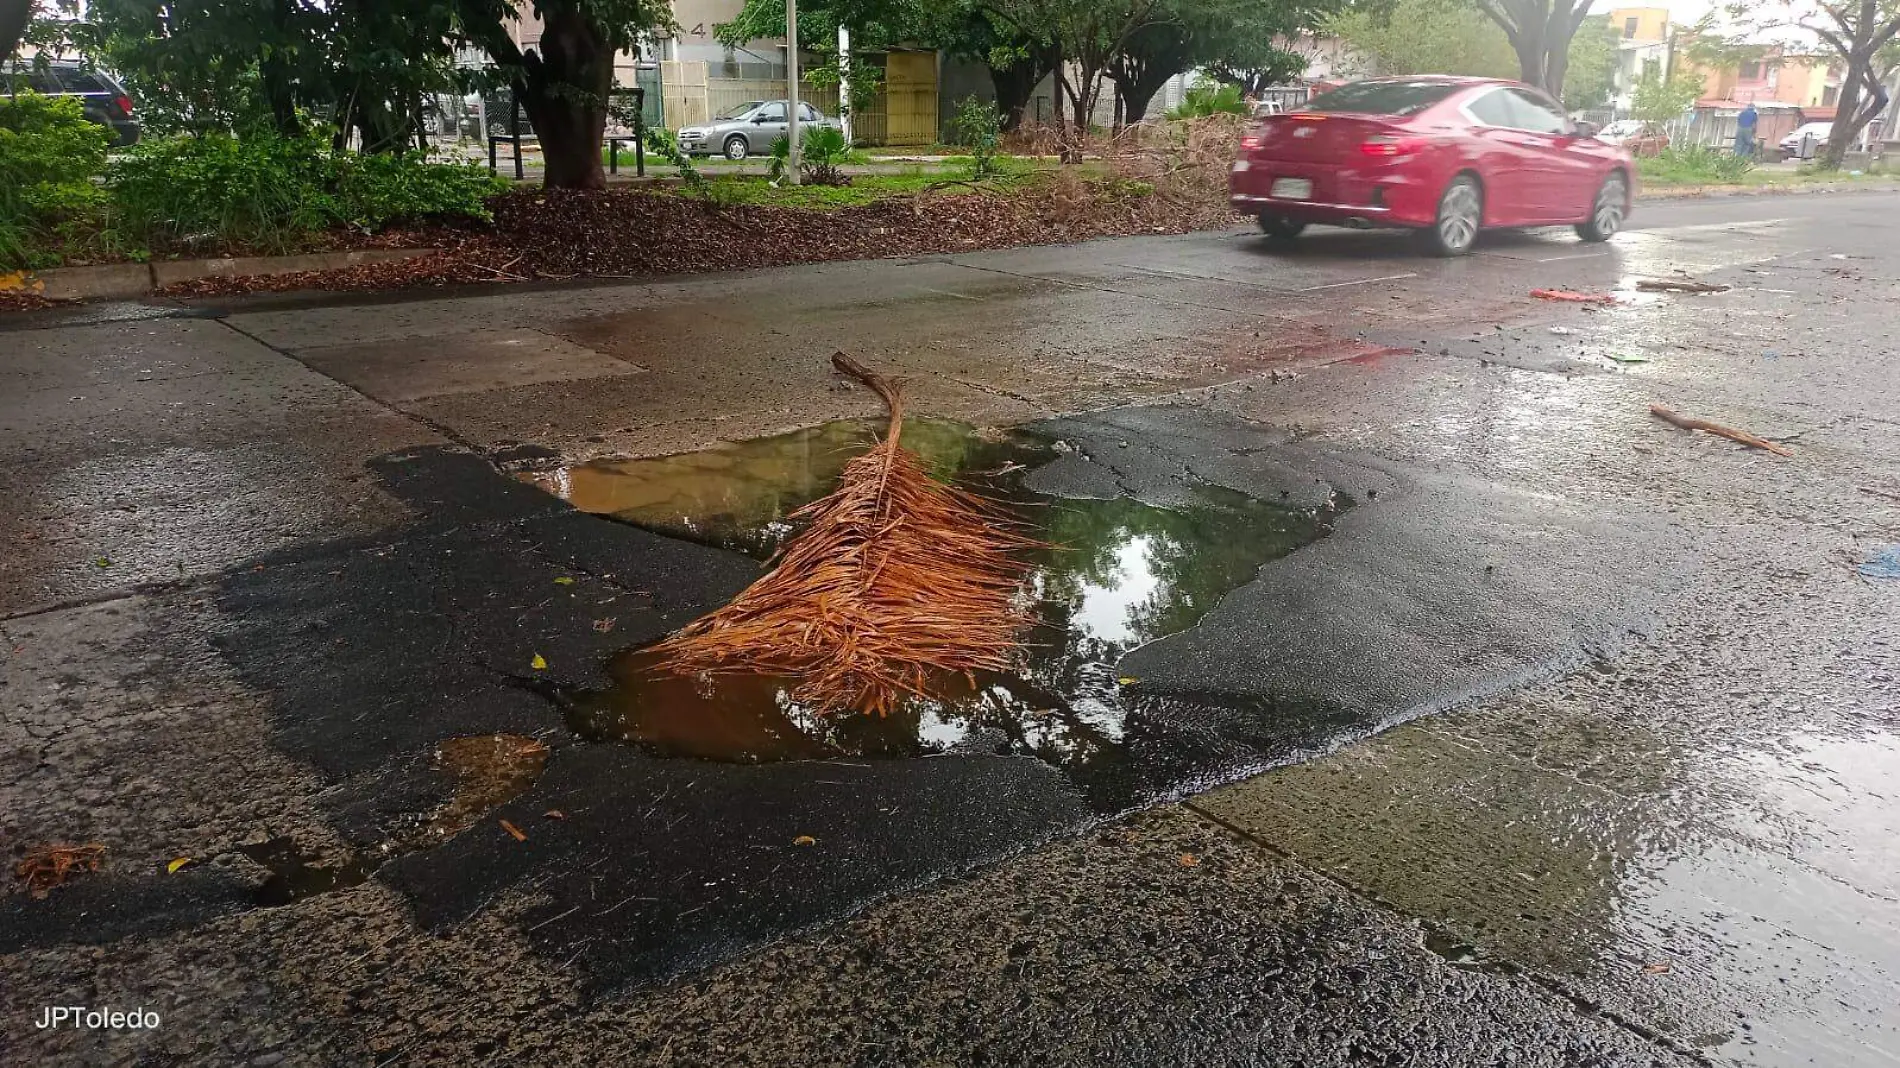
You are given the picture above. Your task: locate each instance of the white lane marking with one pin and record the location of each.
(1358, 282)
(1573, 256)
(947, 293)
(1743, 224)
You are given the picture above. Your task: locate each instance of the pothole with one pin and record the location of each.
(1118, 574)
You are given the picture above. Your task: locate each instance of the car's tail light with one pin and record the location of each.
(1250, 142)
(1382, 146)
(124, 104)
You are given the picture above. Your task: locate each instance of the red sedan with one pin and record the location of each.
(1444, 157)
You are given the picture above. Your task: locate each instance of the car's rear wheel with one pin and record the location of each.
(1460, 217)
(1281, 228)
(1607, 211)
(736, 147)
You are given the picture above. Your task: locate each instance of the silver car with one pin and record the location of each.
(748, 128)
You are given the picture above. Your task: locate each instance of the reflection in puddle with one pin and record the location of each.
(296, 874)
(1118, 574)
(490, 770)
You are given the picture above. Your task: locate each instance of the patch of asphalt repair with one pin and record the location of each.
(1430, 591)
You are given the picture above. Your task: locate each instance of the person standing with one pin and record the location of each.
(1745, 131)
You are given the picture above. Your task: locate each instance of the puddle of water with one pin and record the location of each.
(1118, 574)
(490, 770)
(296, 874)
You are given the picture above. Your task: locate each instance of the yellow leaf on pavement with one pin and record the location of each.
(539, 663)
(564, 580)
(172, 868)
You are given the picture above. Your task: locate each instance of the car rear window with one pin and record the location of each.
(1383, 98)
(79, 81)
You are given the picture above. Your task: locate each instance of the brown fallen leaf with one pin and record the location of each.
(555, 814)
(1189, 860)
(804, 840)
(604, 625)
(1659, 968)
(514, 830)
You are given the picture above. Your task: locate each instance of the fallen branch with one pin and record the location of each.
(1743, 436)
(1565, 296)
(1679, 285)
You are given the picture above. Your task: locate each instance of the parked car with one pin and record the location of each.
(1641, 138)
(747, 128)
(1806, 140)
(1444, 157)
(104, 100)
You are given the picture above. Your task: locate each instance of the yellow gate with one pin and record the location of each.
(910, 98)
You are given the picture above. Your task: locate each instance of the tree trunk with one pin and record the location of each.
(1016, 86)
(563, 87)
(14, 15)
(1139, 91)
(1556, 68)
(1846, 111)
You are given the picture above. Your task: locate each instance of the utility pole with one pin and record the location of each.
(791, 96)
(845, 107)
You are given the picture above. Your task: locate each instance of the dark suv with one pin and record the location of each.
(100, 94)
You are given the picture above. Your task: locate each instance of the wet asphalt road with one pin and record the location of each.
(1610, 711)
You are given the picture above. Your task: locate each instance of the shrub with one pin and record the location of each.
(272, 193)
(822, 154)
(1204, 100)
(263, 193)
(1694, 164)
(49, 154)
(979, 125)
(375, 191)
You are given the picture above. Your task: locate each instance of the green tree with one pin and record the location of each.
(1540, 32)
(1228, 34)
(1658, 100)
(1090, 34)
(1454, 37)
(1590, 79)
(1862, 34)
(564, 79)
(1426, 37)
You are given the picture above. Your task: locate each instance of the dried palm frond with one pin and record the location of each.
(895, 580)
(45, 867)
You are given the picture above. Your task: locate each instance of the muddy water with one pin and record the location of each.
(1118, 574)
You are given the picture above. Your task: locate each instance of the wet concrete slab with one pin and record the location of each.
(160, 451)
(398, 372)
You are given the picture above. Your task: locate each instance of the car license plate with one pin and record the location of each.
(1293, 188)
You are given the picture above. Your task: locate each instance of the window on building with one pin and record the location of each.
(1833, 70)
(1629, 27)
(1830, 96)
(1751, 70)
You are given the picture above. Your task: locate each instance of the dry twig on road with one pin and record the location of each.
(1679, 285)
(1729, 432)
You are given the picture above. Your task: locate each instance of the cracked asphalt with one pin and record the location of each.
(1572, 744)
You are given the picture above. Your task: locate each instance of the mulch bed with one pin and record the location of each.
(559, 234)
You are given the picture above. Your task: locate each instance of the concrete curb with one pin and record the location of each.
(120, 281)
(1691, 192)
